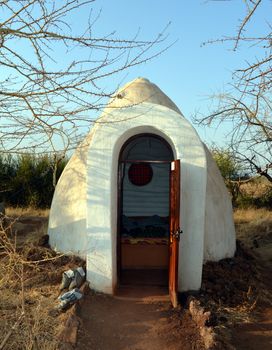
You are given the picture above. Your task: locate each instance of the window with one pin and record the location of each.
(140, 174)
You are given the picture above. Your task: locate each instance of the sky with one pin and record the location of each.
(188, 72)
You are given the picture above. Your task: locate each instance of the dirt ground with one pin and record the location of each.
(256, 334)
(236, 291)
(30, 275)
(135, 323)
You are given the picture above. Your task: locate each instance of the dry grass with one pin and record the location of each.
(254, 229)
(250, 222)
(256, 188)
(30, 276)
(41, 281)
(26, 212)
(252, 214)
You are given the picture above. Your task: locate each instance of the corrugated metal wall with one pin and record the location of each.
(153, 198)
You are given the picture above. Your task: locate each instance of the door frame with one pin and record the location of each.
(120, 178)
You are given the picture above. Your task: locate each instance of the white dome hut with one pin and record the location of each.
(141, 176)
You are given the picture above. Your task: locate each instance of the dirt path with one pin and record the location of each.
(130, 323)
(258, 333)
(255, 335)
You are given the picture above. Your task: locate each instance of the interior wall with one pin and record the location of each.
(146, 148)
(153, 198)
(144, 256)
(148, 200)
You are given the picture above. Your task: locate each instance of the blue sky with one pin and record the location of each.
(188, 72)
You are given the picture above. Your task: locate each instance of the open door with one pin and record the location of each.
(174, 231)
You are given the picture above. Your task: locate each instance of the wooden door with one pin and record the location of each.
(174, 231)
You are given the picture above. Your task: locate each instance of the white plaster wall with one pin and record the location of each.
(219, 242)
(102, 162)
(83, 216)
(138, 91)
(67, 220)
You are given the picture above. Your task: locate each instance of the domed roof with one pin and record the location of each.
(138, 91)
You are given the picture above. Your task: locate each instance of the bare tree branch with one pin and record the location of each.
(53, 78)
(248, 105)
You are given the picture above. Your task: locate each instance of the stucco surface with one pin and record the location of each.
(83, 216)
(138, 91)
(67, 220)
(102, 189)
(220, 237)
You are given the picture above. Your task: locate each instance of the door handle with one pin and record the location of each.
(176, 234)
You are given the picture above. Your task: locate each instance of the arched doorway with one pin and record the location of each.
(144, 211)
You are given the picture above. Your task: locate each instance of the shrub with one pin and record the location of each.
(28, 179)
(230, 170)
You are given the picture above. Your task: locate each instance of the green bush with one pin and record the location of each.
(230, 170)
(28, 180)
(245, 201)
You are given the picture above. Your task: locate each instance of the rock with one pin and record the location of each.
(69, 332)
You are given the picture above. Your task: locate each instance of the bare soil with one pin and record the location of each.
(256, 334)
(135, 323)
(236, 291)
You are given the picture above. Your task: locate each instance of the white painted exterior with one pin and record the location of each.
(219, 239)
(83, 218)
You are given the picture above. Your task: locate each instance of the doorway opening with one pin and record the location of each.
(144, 211)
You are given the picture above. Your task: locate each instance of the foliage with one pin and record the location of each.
(227, 164)
(230, 170)
(246, 200)
(7, 171)
(245, 191)
(27, 180)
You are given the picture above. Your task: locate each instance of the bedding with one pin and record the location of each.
(144, 227)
